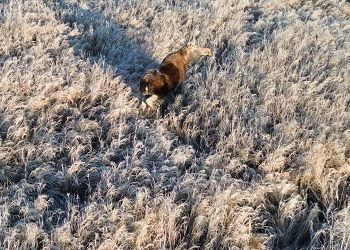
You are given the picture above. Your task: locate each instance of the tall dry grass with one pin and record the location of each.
(252, 153)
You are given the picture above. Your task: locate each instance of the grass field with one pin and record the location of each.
(253, 153)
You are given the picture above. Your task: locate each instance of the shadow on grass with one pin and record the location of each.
(102, 40)
(99, 40)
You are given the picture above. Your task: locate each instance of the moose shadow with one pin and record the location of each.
(102, 40)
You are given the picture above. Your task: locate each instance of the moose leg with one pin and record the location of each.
(197, 53)
(151, 101)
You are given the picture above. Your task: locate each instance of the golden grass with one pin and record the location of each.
(251, 153)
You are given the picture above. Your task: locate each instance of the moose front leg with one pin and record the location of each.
(150, 102)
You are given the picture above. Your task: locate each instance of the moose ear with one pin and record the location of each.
(144, 80)
(153, 71)
(189, 44)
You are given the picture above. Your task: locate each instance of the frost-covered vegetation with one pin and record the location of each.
(253, 152)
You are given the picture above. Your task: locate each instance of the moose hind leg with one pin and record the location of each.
(197, 53)
(204, 51)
